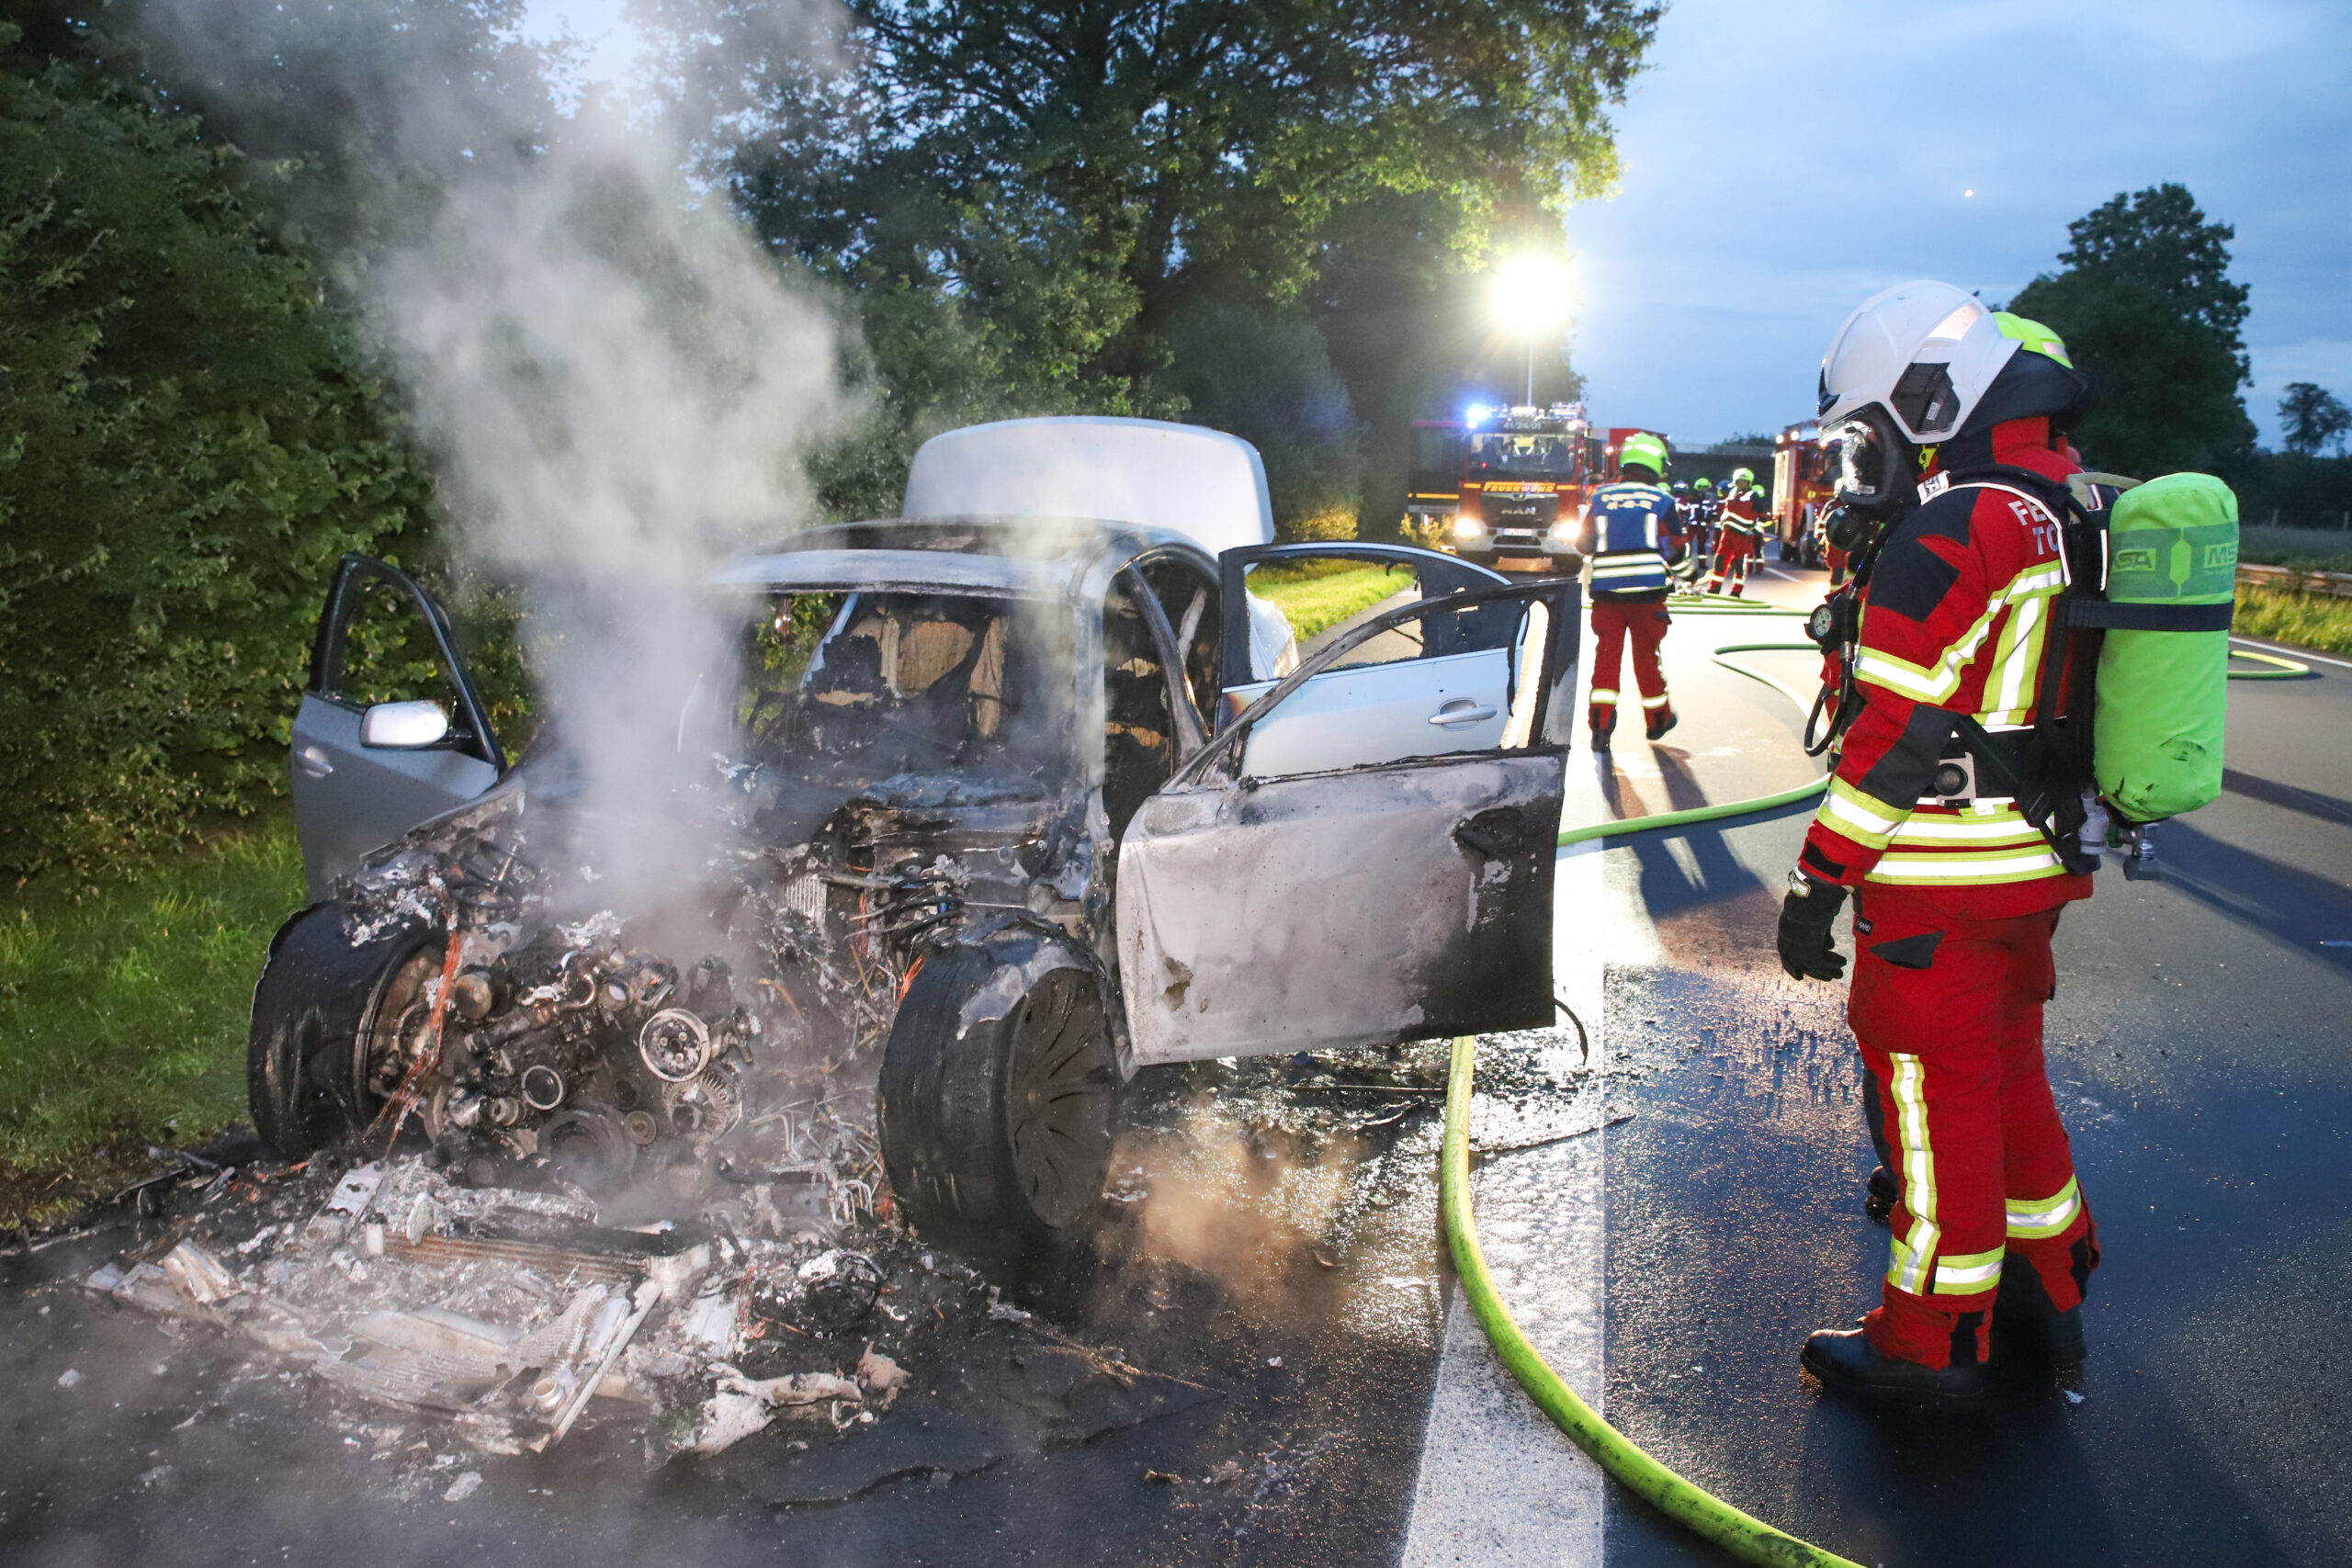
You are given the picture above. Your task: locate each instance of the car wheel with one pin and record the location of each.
(328, 1022)
(1000, 1093)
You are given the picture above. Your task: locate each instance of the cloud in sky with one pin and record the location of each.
(1784, 161)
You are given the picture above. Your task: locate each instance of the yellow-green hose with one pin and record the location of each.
(1701, 1512)
(1729, 808)
(2282, 669)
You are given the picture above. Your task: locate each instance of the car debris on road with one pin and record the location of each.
(502, 1312)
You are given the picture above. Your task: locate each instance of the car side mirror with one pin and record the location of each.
(404, 727)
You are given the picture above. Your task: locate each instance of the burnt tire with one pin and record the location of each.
(1000, 1097)
(318, 1005)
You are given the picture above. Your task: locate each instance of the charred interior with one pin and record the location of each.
(890, 773)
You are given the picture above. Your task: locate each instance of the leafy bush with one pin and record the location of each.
(2304, 620)
(186, 445)
(1427, 532)
(1332, 523)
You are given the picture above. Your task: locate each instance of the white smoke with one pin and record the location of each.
(618, 385)
(621, 389)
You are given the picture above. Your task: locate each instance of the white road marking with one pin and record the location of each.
(1500, 1484)
(2293, 652)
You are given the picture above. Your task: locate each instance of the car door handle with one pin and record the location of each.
(313, 760)
(1461, 710)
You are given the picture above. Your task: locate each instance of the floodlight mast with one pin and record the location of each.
(1531, 293)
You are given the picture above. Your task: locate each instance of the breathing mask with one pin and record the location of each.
(1875, 478)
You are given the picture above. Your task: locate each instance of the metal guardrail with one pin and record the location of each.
(2323, 584)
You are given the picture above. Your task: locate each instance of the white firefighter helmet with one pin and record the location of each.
(1926, 353)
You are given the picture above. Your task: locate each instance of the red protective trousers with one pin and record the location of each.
(1614, 621)
(1949, 1015)
(1735, 552)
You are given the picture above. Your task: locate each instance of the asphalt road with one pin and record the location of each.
(1671, 1264)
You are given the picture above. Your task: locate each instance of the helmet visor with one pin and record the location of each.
(1858, 449)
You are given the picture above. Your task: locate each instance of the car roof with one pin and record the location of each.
(1056, 557)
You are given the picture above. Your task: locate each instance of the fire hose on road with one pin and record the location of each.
(1690, 1505)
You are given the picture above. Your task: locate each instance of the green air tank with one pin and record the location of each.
(2164, 671)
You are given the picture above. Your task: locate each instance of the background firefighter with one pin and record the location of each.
(1739, 535)
(1956, 894)
(1627, 529)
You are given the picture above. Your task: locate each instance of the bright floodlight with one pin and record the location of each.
(1532, 293)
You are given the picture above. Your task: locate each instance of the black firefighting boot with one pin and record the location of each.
(1660, 719)
(1879, 1195)
(2029, 1332)
(1603, 718)
(1847, 1363)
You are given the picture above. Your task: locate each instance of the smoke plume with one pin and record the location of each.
(617, 386)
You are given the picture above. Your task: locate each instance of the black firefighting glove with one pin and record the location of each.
(1807, 914)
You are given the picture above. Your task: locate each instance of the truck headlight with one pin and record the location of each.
(1468, 527)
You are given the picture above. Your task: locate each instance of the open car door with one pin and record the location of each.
(1419, 687)
(391, 730)
(1264, 908)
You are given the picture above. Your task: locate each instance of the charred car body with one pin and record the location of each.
(999, 802)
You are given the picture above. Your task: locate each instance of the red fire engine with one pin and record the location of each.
(1526, 473)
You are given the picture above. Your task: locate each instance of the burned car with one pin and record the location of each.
(1003, 800)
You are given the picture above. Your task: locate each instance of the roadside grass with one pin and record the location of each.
(1317, 595)
(2304, 620)
(123, 1014)
(2305, 550)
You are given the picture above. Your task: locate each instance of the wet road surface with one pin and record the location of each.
(2199, 1049)
(1671, 1263)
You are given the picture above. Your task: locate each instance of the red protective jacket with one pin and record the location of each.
(1956, 620)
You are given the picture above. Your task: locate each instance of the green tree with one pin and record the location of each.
(188, 441)
(2146, 305)
(1265, 376)
(1076, 180)
(361, 110)
(2313, 418)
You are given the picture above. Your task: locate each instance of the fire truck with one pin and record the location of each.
(1803, 478)
(1526, 473)
(1433, 487)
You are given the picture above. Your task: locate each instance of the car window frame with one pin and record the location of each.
(470, 732)
(1561, 596)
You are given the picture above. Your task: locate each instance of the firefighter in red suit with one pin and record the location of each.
(1950, 420)
(1739, 535)
(1628, 529)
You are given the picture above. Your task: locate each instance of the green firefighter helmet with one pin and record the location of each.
(1645, 451)
(1743, 479)
(1703, 485)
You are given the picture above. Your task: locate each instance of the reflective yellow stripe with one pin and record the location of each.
(1655, 701)
(1968, 1273)
(1903, 678)
(1961, 867)
(2001, 829)
(1600, 695)
(2009, 697)
(1912, 1262)
(1866, 821)
(2048, 1217)
(1914, 1255)
(1937, 682)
